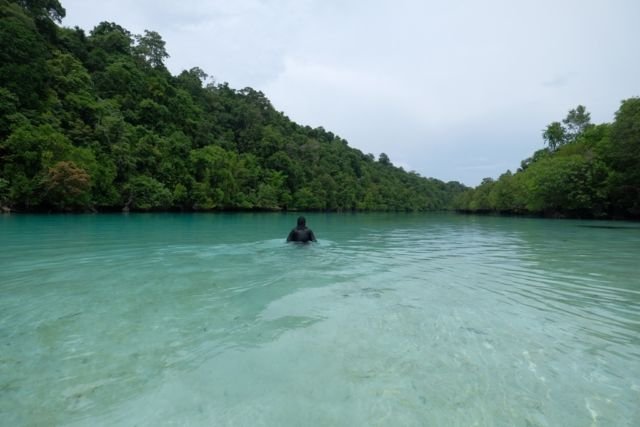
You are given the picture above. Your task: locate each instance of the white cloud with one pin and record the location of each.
(434, 85)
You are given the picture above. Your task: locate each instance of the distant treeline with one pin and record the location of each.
(586, 170)
(96, 122)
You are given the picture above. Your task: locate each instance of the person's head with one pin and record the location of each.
(301, 221)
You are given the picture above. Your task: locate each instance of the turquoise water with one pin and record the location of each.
(391, 320)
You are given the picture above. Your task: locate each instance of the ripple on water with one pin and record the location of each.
(414, 320)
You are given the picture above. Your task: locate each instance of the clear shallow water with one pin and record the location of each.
(389, 320)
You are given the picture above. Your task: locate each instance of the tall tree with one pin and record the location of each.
(43, 9)
(555, 135)
(151, 48)
(577, 121)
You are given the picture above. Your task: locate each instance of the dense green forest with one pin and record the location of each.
(97, 122)
(585, 170)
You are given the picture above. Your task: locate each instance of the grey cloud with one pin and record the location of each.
(559, 81)
(434, 85)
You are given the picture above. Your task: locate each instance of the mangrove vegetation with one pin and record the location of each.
(585, 170)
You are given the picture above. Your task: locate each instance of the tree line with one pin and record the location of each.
(585, 170)
(97, 122)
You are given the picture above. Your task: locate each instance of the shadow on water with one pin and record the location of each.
(610, 227)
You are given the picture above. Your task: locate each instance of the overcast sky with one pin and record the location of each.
(456, 90)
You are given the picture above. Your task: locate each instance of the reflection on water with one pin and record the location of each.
(611, 227)
(389, 320)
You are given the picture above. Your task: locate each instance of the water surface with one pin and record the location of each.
(391, 319)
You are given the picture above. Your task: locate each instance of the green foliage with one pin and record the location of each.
(27, 154)
(587, 171)
(44, 14)
(96, 121)
(151, 48)
(8, 111)
(577, 121)
(145, 193)
(573, 126)
(23, 53)
(43, 9)
(555, 135)
(624, 157)
(384, 159)
(4, 191)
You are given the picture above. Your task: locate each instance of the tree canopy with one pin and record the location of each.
(96, 122)
(586, 171)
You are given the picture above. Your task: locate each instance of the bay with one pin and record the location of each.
(390, 319)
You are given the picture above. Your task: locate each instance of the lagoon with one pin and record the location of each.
(390, 319)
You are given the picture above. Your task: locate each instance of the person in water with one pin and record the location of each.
(301, 233)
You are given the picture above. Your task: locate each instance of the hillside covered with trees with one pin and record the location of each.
(96, 122)
(586, 170)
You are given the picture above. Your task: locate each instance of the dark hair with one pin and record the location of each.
(301, 221)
